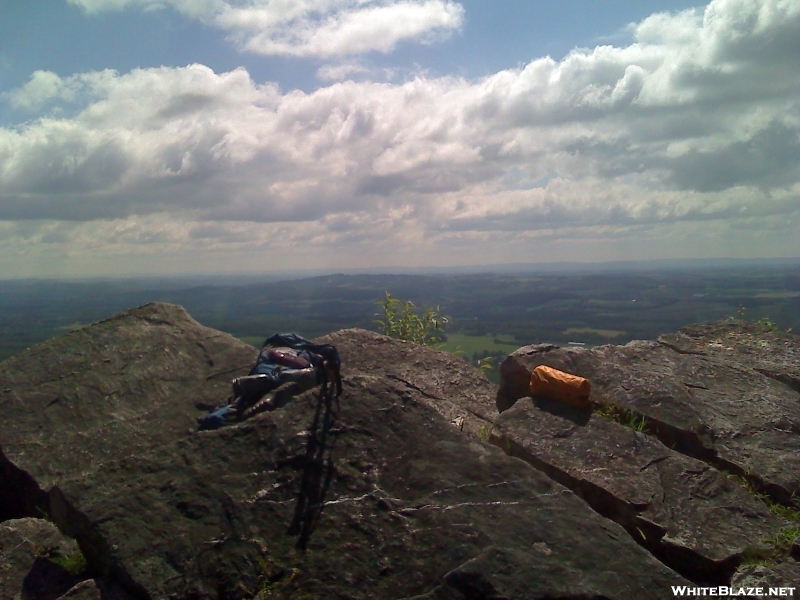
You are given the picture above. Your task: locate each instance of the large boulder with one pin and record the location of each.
(726, 412)
(113, 389)
(374, 496)
(689, 442)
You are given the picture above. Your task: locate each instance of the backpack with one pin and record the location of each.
(323, 357)
(283, 358)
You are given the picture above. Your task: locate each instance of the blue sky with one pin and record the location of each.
(178, 136)
(56, 36)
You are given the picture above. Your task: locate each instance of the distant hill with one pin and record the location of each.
(593, 308)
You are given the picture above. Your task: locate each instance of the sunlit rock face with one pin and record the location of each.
(386, 492)
(692, 443)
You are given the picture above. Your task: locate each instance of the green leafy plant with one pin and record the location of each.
(486, 432)
(486, 365)
(74, 562)
(402, 320)
(767, 323)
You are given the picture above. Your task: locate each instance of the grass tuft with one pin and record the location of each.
(773, 549)
(777, 547)
(622, 415)
(74, 562)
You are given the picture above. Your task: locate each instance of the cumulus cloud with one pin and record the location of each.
(694, 124)
(318, 28)
(42, 87)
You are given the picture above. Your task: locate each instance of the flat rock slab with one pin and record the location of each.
(380, 498)
(406, 501)
(774, 353)
(694, 518)
(403, 501)
(455, 389)
(717, 410)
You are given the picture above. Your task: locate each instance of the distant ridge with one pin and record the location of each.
(617, 266)
(594, 267)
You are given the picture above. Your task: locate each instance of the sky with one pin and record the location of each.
(165, 137)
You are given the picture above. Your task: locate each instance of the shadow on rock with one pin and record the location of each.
(47, 580)
(578, 416)
(317, 468)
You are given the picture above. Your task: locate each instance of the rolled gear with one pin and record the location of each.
(551, 383)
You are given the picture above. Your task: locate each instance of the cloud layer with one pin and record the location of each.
(693, 129)
(312, 28)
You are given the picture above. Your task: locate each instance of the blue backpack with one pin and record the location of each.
(276, 368)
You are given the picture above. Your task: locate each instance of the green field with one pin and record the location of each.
(470, 344)
(464, 345)
(778, 295)
(593, 308)
(605, 333)
(72, 327)
(253, 340)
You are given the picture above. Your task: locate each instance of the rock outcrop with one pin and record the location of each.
(378, 495)
(678, 425)
(753, 345)
(463, 396)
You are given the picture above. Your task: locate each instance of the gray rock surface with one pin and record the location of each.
(785, 574)
(462, 395)
(26, 545)
(85, 590)
(773, 353)
(114, 389)
(380, 498)
(721, 411)
(692, 517)
(717, 398)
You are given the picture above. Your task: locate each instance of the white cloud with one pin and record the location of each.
(45, 88)
(693, 127)
(42, 87)
(359, 30)
(339, 72)
(318, 28)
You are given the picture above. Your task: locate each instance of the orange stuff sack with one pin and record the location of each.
(557, 385)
